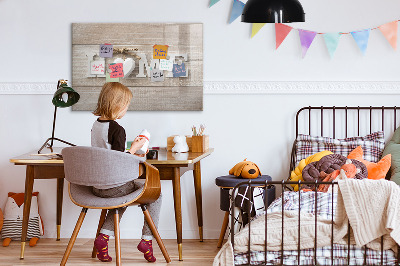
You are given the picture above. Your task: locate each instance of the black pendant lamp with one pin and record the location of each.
(273, 11)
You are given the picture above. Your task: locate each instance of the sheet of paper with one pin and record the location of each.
(106, 50)
(117, 70)
(108, 79)
(160, 51)
(157, 75)
(179, 70)
(166, 64)
(97, 67)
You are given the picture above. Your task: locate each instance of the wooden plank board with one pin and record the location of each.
(173, 94)
(148, 98)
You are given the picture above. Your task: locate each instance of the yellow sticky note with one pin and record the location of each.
(160, 51)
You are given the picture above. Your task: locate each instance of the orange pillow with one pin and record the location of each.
(375, 170)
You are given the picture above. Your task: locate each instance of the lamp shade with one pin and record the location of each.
(65, 96)
(273, 11)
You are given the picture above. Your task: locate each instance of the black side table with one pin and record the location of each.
(226, 183)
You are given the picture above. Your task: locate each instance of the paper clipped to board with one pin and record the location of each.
(106, 50)
(117, 70)
(179, 70)
(97, 67)
(160, 51)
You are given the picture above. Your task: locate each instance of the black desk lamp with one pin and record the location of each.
(64, 97)
(273, 11)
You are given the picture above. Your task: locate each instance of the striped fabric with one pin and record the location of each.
(372, 145)
(322, 207)
(13, 228)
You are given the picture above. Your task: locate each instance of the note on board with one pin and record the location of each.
(117, 70)
(160, 51)
(179, 70)
(157, 75)
(108, 79)
(97, 67)
(106, 50)
(166, 64)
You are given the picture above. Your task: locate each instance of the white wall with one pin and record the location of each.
(35, 47)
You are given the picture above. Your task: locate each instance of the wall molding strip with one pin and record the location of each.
(246, 87)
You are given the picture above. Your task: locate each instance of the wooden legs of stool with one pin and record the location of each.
(156, 235)
(73, 237)
(223, 229)
(117, 238)
(101, 222)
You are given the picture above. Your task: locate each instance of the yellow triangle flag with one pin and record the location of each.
(256, 28)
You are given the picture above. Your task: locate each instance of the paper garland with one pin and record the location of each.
(237, 9)
(361, 37)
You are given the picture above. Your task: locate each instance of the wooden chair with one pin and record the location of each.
(85, 167)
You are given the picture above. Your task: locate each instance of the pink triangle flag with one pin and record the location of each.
(306, 39)
(389, 30)
(281, 31)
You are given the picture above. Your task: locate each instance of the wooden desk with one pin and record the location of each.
(168, 164)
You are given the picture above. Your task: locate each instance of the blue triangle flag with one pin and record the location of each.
(237, 10)
(213, 2)
(332, 41)
(361, 38)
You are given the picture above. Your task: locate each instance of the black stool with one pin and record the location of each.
(226, 183)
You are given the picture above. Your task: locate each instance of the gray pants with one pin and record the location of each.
(154, 208)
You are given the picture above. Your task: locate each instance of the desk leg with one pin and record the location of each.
(199, 204)
(176, 182)
(27, 206)
(60, 190)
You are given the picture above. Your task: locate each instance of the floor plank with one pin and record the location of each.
(49, 252)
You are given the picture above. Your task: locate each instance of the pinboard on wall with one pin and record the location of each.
(162, 64)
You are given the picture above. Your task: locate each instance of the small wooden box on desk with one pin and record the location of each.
(195, 143)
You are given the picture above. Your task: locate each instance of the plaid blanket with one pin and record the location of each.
(323, 205)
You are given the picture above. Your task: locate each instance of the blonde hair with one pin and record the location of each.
(113, 97)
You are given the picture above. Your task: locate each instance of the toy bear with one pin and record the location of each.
(13, 215)
(245, 169)
(180, 144)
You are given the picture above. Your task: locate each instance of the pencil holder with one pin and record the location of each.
(200, 143)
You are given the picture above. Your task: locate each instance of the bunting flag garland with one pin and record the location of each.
(361, 38)
(306, 39)
(281, 31)
(389, 30)
(213, 2)
(332, 41)
(256, 28)
(237, 10)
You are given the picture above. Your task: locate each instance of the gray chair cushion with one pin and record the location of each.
(84, 196)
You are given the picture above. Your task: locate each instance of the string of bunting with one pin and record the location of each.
(361, 37)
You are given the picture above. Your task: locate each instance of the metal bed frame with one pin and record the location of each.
(283, 184)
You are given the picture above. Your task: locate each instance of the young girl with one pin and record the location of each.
(113, 103)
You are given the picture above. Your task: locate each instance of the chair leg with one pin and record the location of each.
(117, 238)
(101, 222)
(73, 237)
(223, 229)
(154, 230)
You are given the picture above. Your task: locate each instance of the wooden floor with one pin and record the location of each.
(50, 252)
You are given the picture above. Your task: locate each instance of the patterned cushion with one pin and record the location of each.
(372, 144)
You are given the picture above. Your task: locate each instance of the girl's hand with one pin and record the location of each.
(142, 155)
(137, 144)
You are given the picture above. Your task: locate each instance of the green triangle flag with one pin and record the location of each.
(256, 28)
(213, 2)
(332, 41)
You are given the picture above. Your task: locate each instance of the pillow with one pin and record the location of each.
(375, 170)
(372, 144)
(296, 174)
(393, 148)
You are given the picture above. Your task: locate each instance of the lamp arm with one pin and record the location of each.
(54, 126)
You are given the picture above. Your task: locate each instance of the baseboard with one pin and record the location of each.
(246, 87)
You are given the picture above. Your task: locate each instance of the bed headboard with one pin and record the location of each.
(344, 121)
